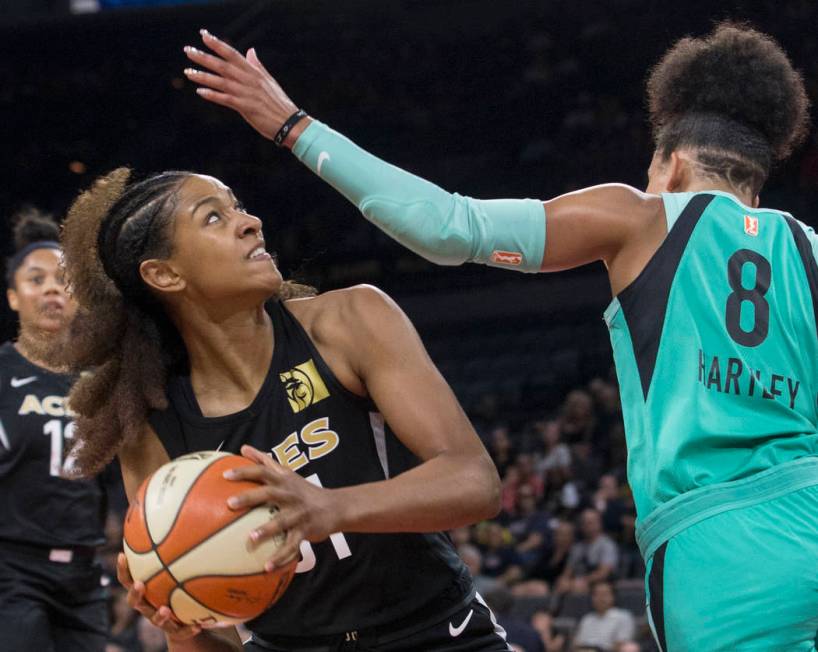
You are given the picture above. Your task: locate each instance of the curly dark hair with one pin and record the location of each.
(29, 225)
(734, 97)
(121, 342)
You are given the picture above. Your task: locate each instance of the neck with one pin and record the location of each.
(32, 344)
(703, 185)
(227, 353)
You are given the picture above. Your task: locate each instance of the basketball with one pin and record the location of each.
(192, 551)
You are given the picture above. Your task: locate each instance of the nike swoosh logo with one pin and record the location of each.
(454, 632)
(19, 382)
(323, 156)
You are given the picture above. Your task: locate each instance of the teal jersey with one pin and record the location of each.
(716, 349)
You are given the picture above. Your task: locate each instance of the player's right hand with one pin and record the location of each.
(241, 83)
(163, 617)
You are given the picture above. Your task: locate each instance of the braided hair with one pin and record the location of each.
(121, 342)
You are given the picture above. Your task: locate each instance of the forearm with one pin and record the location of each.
(440, 494)
(443, 227)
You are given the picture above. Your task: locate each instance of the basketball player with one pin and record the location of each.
(199, 344)
(51, 599)
(713, 321)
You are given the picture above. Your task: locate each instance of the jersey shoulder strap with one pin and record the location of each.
(675, 203)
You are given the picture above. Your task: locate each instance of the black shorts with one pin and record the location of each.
(472, 629)
(49, 606)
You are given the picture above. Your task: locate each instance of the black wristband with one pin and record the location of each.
(293, 120)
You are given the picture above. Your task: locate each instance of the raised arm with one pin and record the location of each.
(601, 223)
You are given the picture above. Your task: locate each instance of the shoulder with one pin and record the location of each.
(615, 196)
(338, 315)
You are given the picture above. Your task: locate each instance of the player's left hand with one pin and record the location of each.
(241, 83)
(305, 511)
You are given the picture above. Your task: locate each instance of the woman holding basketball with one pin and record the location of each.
(713, 321)
(50, 525)
(198, 344)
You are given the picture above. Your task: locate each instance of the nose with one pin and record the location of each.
(248, 225)
(53, 286)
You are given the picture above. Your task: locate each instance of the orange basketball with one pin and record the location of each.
(191, 550)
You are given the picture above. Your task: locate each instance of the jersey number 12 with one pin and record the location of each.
(57, 431)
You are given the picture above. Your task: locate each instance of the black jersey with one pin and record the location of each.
(37, 505)
(309, 422)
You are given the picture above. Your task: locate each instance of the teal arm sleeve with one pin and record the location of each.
(443, 227)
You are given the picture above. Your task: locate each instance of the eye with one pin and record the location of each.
(238, 206)
(38, 280)
(211, 217)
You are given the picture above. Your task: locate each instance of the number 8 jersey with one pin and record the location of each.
(306, 420)
(716, 349)
(37, 505)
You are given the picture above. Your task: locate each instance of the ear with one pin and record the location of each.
(161, 276)
(11, 296)
(678, 172)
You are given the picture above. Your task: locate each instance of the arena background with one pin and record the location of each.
(489, 99)
(485, 98)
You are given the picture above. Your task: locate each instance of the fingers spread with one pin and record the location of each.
(224, 50)
(264, 495)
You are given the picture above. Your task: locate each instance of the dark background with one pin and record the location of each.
(486, 98)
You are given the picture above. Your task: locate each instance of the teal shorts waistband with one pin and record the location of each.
(678, 514)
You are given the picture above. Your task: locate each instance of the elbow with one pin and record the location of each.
(491, 494)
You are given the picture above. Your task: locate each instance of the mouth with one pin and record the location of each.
(259, 253)
(52, 306)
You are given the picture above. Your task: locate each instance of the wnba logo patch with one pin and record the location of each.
(751, 225)
(304, 386)
(512, 258)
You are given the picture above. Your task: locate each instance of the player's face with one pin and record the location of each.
(218, 248)
(39, 297)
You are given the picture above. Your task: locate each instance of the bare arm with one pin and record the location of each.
(613, 223)
(455, 484)
(138, 460)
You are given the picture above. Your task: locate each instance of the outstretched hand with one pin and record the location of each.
(240, 82)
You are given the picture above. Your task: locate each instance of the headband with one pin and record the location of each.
(17, 259)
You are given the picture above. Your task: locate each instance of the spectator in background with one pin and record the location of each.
(500, 559)
(518, 632)
(606, 627)
(501, 449)
(543, 623)
(555, 463)
(607, 500)
(578, 419)
(591, 560)
(530, 528)
(520, 474)
(545, 574)
(473, 558)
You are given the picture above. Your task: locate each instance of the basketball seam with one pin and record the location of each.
(191, 550)
(221, 613)
(181, 503)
